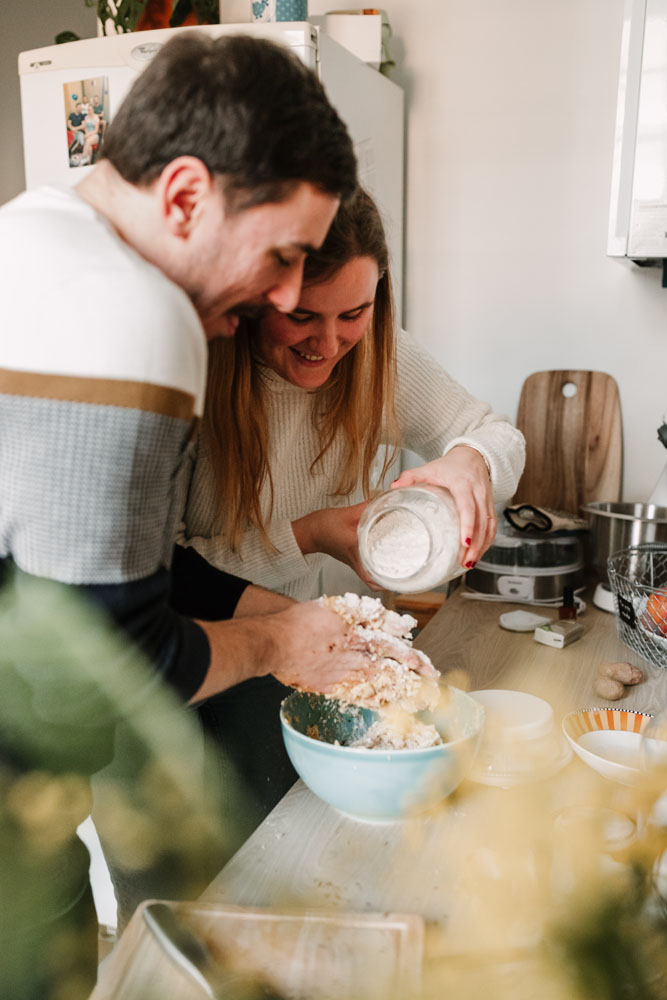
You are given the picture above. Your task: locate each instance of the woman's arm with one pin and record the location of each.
(463, 471)
(254, 561)
(436, 414)
(477, 454)
(333, 530)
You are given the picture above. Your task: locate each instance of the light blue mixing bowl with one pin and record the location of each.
(378, 784)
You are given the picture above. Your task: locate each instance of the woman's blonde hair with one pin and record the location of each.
(357, 401)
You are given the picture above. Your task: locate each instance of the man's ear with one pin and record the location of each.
(182, 188)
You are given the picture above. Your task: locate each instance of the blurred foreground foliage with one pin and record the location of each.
(544, 902)
(77, 700)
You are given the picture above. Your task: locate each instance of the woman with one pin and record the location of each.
(298, 405)
(91, 125)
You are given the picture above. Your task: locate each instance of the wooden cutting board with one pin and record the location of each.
(307, 955)
(574, 446)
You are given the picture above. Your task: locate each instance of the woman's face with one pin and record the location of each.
(304, 346)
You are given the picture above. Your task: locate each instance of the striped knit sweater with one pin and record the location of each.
(102, 377)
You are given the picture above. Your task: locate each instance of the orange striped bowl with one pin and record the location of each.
(608, 740)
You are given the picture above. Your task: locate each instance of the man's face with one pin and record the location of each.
(242, 261)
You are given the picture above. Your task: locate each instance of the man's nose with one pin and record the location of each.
(284, 295)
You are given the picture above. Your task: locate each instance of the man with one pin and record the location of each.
(222, 168)
(75, 119)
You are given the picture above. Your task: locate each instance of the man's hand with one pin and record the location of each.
(258, 601)
(396, 648)
(304, 645)
(313, 652)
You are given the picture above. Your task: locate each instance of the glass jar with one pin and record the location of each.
(409, 538)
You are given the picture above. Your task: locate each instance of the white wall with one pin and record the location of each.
(510, 112)
(28, 24)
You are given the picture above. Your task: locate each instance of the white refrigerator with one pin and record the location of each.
(62, 80)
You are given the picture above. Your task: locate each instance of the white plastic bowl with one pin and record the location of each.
(520, 741)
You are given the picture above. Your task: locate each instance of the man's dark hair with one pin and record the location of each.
(247, 108)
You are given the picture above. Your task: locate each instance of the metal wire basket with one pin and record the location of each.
(638, 578)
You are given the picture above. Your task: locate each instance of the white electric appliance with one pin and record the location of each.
(54, 79)
(638, 215)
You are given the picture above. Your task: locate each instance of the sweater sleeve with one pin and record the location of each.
(253, 560)
(435, 414)
(199, 590)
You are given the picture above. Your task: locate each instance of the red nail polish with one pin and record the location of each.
(468, 541)
(469, 565)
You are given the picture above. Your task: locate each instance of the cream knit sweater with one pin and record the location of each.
(434, 414)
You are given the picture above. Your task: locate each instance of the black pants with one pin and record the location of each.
(243, 730)
(246, 771)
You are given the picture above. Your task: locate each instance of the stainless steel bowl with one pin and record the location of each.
(615, 526)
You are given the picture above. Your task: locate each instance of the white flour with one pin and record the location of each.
(393, 731)
(414, 546)
(399, 544)
(394, 689)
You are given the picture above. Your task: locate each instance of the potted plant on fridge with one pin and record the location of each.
(119, 16)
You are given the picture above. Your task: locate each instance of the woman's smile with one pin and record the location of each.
(310, 358)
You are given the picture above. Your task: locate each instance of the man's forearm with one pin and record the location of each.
(241, 648)
(258, 601)
(304, 645)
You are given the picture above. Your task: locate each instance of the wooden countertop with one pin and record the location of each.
(464, 636)
(306, 853)
(456, 866)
